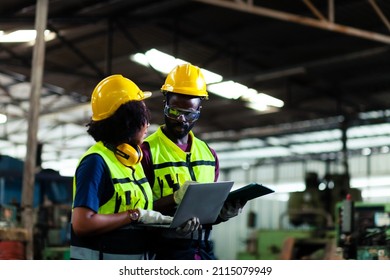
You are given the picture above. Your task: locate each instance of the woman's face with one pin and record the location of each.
(141, 134)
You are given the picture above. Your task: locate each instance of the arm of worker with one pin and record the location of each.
(165, 205)
(168, 204)
(91, 177)
(87, 222)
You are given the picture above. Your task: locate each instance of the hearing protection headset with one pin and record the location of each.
(127, 154)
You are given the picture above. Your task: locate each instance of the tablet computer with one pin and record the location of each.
(248, 192)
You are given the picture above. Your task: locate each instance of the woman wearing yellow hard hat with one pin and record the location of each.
(110, 193)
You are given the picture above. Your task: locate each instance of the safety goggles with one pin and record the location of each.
(176, 113)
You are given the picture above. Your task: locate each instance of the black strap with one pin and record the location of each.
(206, 237)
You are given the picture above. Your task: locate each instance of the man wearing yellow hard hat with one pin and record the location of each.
(110, 191)
(174, 155)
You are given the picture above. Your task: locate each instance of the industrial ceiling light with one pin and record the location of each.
(23, 36)
(228, 89)
(160, 61)
(262, 98)
(3, 118)
(260, 101)
(256, 101)
(164, 63)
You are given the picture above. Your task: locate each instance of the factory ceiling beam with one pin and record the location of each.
(249, 7)
(380, 14)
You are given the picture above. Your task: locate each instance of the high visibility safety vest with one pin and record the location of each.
(132, 190)
(131, 186)
(172, 166)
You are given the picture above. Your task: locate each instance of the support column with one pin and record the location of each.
(35, 95)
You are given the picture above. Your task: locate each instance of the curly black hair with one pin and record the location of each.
(122, 126)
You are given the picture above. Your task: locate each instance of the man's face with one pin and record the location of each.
(181, 113)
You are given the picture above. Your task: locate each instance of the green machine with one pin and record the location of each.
(312, 227)
(363, 230)
(328, 220)
(287, 244)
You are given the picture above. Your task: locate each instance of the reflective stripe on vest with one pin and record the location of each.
(127, 242)
(172, 166)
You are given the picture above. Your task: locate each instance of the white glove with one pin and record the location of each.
(179, 194)
(153, 217)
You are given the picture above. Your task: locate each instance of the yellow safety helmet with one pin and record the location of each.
(112, 92)
(186, 79)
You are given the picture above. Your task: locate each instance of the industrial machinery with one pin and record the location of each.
(309, 227)
(315, 205)
(52, 210)
(315, 208)
(363, 230)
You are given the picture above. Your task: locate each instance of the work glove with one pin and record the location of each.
(231, 209)
(179, 194)
(153, 217)
(191, 225)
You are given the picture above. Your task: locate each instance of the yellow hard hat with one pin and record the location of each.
(112, 92)
(186, 79)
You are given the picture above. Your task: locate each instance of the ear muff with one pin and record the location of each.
(128, 155)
